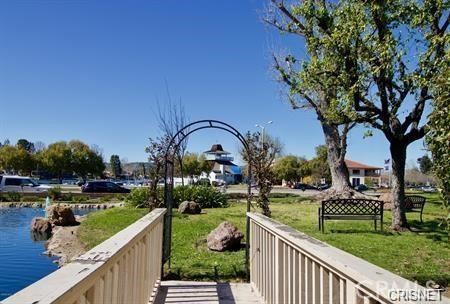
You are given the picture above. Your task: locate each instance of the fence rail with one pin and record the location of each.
(126, 268)
(287, 266)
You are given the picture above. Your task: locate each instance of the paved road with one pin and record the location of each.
(276, 190)
(232, 189)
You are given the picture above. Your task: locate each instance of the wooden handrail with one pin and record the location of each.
(123, 269)
(287, 266)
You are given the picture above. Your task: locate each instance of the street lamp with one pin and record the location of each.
(263, 127)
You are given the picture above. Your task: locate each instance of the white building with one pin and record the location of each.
(363, 174)
(224, 170)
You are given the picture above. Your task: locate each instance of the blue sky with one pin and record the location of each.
(94, 71)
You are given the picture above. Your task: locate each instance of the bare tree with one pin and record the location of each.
(261, 155)
(39, 146)
(156, 150)
(171, 118)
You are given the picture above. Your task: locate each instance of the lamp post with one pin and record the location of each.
(263, 127)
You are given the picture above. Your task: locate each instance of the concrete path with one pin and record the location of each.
(185, 292)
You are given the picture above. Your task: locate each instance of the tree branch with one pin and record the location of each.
(288, 14)
(416, 114)
(443, 28)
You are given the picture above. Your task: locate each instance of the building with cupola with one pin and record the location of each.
(224, 171)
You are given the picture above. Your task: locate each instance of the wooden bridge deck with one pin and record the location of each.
(185, 292)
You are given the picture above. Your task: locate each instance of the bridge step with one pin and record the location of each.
(185, 292)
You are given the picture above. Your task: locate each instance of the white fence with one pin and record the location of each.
(287, 266)
(126, 268)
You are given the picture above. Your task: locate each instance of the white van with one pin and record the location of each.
(22, 184)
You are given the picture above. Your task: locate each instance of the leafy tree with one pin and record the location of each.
(57, 159)
(392, 54)
(26, 145)
(16, 160)
(425, 164)
(291, 168)
(261, 156)
(438, 140)
(116, 165)
(204, 164)
(85, 160)
(380, 60)
(191, 164)
(318, 166)
(312, 83)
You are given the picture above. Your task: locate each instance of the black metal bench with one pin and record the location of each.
(415, 203)
(351, 209)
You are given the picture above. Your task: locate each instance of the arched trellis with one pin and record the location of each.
(169, 157)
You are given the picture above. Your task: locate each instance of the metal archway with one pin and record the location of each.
(169, 157)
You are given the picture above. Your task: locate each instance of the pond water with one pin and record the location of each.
(21, 258)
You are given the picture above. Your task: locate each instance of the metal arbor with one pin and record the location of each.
(170, 153)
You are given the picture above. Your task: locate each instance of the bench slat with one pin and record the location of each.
(351, 209)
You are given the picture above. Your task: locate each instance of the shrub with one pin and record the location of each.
(14, 196)
(236, 196)
(206, 196)
(107, 198)
(138, 197)
(120, 197)
(203, 182)
(81, 198)
(55, 193)
(32, 199)
(68, 197)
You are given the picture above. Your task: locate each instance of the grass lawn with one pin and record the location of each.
(420, 256)
(101, 225)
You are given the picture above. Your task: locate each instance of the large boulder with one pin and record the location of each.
(225, 237)
(61, 216)
(189, 208)
(41, 225)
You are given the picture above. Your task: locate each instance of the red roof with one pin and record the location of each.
(355, 165)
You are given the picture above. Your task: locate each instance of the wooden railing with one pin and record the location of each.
(126, 268)
(287, 266)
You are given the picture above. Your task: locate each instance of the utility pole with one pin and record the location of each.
(263, 128)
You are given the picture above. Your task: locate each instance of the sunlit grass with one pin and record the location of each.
(422, 255)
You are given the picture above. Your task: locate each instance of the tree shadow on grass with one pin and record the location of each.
(206, 274)
(361, 231)
(432, 228)
(441, 280)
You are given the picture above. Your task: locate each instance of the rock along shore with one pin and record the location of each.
(65, 244)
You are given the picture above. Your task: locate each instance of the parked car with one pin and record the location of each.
(81, 183)
(323, 187)
(103, 187)
(361, 187)
(428, 189)
(304, 187)
(23, 184)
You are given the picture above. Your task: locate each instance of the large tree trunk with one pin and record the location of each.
(398, 154)
(336, 158)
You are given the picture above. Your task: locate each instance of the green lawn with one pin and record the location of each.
(420, 256)
(101, 225)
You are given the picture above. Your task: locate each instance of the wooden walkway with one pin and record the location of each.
(185, 292)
